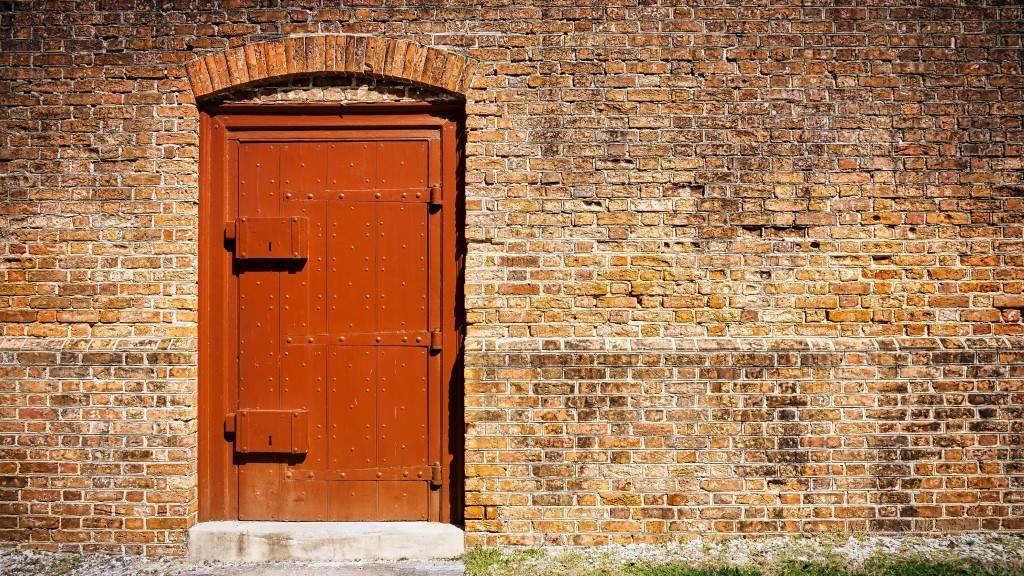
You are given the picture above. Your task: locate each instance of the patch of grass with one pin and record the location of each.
(533, 562)
(480, 560)
(924, 567)
(793, 568)
(680, 570)
(888, 566)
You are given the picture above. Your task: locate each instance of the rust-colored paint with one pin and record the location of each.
(329, 335)
(269, 238)
(269, 431)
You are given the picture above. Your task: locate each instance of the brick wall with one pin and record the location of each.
(731, 268)
(587, 448)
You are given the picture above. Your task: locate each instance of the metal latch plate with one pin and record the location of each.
(257, 238)
(272, 431)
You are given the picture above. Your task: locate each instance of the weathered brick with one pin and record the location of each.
(706, 294)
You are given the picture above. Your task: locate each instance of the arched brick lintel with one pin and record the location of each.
(330, 53)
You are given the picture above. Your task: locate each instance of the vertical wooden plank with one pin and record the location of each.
(259, 330)
(304, 387)
(316, 268)
(402, 411)
(352, 405)
(316, 264)
(258, 285)
(303, 282)
(402, 266)
(351, 269)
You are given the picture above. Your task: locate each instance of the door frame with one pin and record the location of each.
(217, 472)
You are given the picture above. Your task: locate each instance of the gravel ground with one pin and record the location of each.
(852, 551)
(31, 563)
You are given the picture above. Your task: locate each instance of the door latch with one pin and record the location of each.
(269, 431)
(273, 238)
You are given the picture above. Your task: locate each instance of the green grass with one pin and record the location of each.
(481, 560)
(485, 560)
(921, 567)
(814, 569)
(679, 570)
(532, 562)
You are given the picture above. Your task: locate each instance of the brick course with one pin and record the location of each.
(731, 268)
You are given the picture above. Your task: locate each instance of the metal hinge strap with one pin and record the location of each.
(436, 475)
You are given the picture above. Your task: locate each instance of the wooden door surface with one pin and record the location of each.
(335, 247)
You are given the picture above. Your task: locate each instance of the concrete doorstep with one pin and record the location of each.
(323, 541)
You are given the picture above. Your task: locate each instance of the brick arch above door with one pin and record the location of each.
(312, 55)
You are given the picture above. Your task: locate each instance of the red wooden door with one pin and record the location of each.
(336, 264)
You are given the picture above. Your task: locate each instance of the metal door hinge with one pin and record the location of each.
(435, 195)
(229, 423)
(436, 475)
(436, 340)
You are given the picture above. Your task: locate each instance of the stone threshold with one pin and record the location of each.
(250, 541)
